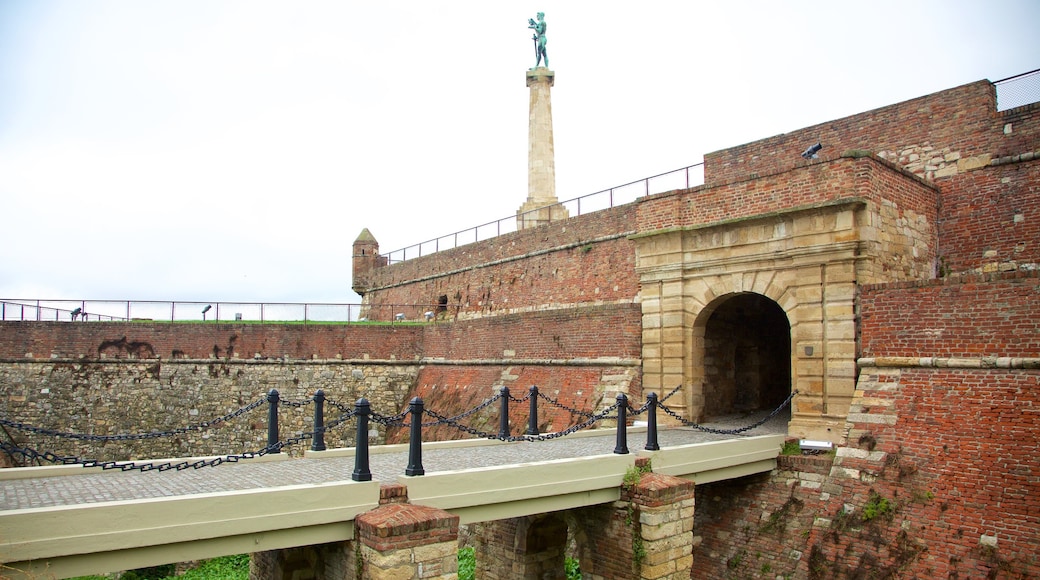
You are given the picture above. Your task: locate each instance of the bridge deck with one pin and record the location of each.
(79, 486)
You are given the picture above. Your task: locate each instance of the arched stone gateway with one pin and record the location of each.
(740, 312)
(746, 353)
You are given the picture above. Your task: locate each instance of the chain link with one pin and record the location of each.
(665, 398)
(737, 431)
(452, 420)
(560, 405)
(296, 404)
(605, 414)
(133, 436)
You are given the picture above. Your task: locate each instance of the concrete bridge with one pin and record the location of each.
(308, 518)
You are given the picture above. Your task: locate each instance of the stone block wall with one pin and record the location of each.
(108, 397)
(76, 382)
(400, 541)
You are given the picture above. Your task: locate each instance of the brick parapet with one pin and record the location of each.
(402, 525)
(937, 121)
(657, 489)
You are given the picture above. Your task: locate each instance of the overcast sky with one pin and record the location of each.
(221, 151)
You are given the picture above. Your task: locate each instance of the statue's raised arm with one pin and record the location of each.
(539, 40)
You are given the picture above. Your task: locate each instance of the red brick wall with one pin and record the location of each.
(996, 316)
(545, 345)
(611, 330)
(840, 178)
(167, 340)
(991, 217)
(960, 463)
(963, 118)
(562, 263)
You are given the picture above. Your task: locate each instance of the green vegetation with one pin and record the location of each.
(877, 507)
(634, 474)
(225, 568)
(791, 448)
(468, 565)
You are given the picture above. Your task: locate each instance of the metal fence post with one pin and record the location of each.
(651, 423)
(318, 440)
(415, 407)
(361, 470)
(503, 414)
(532, 414)
(622, 428)
(272, 422)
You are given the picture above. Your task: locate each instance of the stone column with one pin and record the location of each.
(665, 507)
(400, 540)
(541, 162)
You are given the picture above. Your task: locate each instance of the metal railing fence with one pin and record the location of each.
(213, 311)
(682, 178)
(1023, 89)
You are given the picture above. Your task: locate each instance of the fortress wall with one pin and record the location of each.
(75, 383)
(583, 357)
(112, 397)
(871, 179)
(145, 340)
(592, 332)
(936, 476)
(991, 218)
(926, 135)
(982, 316)
(585, 259)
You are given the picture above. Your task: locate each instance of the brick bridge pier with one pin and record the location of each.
(646, 534)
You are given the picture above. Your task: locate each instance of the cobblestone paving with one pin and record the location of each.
(385, 467)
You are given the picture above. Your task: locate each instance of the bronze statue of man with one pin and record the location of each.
(539, 40)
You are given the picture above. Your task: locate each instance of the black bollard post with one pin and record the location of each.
(503, 414)
(651, 423)
(318, 439)
(272, 422)
(532, 414)
(415, 407)
(361, 471)
(622, 428)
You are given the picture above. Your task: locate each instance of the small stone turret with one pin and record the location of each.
(366, 259)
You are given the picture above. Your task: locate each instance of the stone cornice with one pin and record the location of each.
(983, 362)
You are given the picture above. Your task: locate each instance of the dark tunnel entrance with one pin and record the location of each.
(747, 356)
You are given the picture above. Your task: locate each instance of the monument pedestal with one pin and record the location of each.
(541, 205)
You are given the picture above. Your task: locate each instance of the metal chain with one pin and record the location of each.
(34, 455)
(560, 405)
(341, 406)
(296, 404)
(523, 399)
(479, 407)
(693, 425)
(389, 421)
(605, 414)
(134, 436)
(665, 398)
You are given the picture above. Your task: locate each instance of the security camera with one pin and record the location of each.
(811, 152)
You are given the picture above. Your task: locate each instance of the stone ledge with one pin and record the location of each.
(988, 362)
